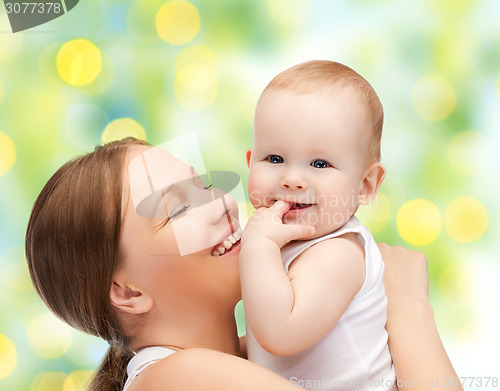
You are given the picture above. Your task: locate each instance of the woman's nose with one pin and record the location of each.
(293, 182)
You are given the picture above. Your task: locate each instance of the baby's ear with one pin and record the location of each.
(128, 297)
(249, 156)
(374, 175)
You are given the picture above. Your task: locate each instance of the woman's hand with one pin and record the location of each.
(419, 358)
(405, 279)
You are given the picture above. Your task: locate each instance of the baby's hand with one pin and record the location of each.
(267, 224)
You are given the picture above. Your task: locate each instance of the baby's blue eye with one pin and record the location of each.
(275, 159)
(318, 163)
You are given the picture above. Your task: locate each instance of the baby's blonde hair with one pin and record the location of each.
(318, 76)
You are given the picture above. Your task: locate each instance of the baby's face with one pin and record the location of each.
(309, 150)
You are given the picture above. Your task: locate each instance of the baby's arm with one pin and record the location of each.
(288, 313)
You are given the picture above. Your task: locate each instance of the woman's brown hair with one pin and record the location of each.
(72, 249)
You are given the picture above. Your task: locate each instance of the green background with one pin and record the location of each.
(434, 63)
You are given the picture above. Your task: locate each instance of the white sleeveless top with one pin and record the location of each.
(354, 353)
(144, 359)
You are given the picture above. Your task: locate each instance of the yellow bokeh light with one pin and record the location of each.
(178, 22)
(433, 98)
(286, 15)
(7, 153)
(469, 153)
(77, 380)
(377, 214)
(121, 128)
(48, 381)
(466, 219)
(79, 62)
(419, 222)
(196, 55)
(195, 87)
(195, 84)
(48, 336)
(8, 356)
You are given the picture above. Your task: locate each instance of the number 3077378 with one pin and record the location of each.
(33, 8)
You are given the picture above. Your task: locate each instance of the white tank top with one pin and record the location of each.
(144, 359)
(354, 353)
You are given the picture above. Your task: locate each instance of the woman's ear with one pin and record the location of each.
(129, 298)
(249, 156)
(374, 175)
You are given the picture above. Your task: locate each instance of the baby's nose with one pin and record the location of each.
(293, 182)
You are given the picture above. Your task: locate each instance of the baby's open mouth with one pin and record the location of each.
(299, 206)
(227, 244)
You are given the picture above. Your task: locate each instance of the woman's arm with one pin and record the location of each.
(204, 369)
(419, 357)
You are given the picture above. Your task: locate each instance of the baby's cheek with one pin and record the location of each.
(255, 192)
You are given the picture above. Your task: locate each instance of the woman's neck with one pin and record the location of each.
(184, 328)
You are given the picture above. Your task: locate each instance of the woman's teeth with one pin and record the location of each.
(228, 243)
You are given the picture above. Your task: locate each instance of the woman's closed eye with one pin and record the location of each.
(179, 211)
(275, 159)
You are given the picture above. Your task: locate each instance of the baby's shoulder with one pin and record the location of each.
(346, 247)
(348, 241)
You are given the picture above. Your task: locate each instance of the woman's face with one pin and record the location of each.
(173, 226)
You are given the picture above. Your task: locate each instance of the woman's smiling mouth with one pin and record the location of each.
(232, 241)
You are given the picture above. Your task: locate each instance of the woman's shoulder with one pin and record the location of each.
(201, 369)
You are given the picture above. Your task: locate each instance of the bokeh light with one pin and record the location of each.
(48, 381)
(123, 127)
(419, 222)
(195, 84)
(433, 98)
(48, 336)
(282, 13)
(8, 356)
(469, 153)
(79, 62)
(7, 153)
(77, 380)
(178, 22)
(466, 219)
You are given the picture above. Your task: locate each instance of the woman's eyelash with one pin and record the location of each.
(165, 221)
(209, 186)
(181, 211)
(162, 224)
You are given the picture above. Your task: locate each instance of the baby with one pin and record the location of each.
(311, 274)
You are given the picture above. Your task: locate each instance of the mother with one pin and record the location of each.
(109, 272)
